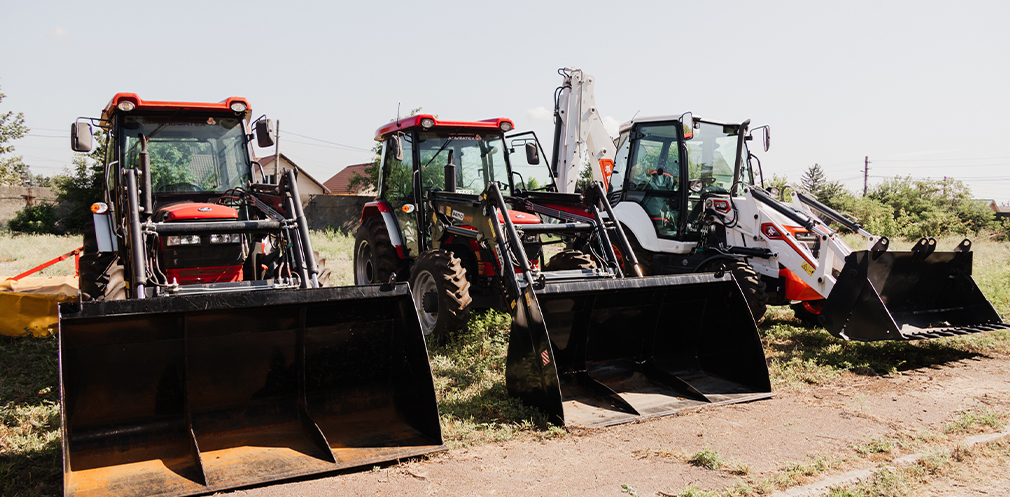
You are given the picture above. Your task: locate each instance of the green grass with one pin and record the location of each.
(707, 458)
(19, 253)
(337, 248)
(469, 377)
(29, 417)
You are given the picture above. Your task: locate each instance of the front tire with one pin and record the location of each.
(754, 290)
(375, 259)
(570, 259)
(441, 294)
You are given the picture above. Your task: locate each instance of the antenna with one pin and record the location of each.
(397, 114)
(636, 113)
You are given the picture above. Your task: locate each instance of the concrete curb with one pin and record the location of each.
(855, 476)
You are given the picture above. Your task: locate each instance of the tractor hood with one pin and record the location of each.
(193, 211)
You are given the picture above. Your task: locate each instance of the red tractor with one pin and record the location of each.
(206, 353)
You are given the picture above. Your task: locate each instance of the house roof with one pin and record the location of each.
(338, 183)
(266, 161)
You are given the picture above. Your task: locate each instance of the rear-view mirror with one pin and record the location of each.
(767, 137)
(81, 137)
(687, 122)
(397, 145)
(264, 133)
(532, 154)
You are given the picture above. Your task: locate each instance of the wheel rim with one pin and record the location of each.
(363, 270)
(424, 283)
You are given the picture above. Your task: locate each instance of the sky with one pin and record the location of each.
(920, 88)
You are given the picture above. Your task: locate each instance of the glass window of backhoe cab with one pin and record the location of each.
(656, 171)
(711, 159)
(479, 158)
(188, 154)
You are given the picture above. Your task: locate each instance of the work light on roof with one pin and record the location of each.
(427, 122)
(239, 106)
(126, 106)
(505, 126)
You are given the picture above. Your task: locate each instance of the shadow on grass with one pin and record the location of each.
(787, 340)
(29, 417)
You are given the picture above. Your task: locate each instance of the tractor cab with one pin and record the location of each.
(669, 164)
(421, 154)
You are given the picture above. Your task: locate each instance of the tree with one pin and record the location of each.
(830, 193)
(76, 190)
(12, 127)
(779, 184)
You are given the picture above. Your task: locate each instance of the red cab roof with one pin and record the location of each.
(222, 106)
(412, 121)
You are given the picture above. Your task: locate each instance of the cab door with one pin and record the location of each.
(398, 190)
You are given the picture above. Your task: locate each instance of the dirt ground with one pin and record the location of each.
(650, 457)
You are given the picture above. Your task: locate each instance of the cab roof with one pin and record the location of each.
(664, 118)
(222, 106)
(415, 121)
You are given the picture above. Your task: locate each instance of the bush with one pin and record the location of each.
(38, 219)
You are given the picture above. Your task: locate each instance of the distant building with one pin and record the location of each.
(307, 185)
(1000, 211)
(338, 184)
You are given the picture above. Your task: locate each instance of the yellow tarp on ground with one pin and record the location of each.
(28, 306)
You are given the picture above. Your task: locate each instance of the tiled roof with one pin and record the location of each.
(338, 183)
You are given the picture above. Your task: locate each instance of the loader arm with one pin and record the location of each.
(577, 125)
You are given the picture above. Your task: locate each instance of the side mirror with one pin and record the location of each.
(80, 137)
(265, 133)
(687, 122)
(532, 154)
(398, 148)
(767, 137)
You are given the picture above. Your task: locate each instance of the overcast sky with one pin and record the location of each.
(921, 88)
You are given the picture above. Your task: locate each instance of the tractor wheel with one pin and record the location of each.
(570, 259)
(808, 311)
(101, 275)
(754, 290)
(375, 259)
(441, 294)
(644, 256)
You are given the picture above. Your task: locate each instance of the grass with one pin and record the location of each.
(707, 458)
(29, 417)
(19, 253)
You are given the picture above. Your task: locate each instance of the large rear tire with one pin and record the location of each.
(570, 259)
(441, 294)
(100, 274)
(754, 290)
(375, 258)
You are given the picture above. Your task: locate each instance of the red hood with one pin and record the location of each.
(196, 210)
(520, 218)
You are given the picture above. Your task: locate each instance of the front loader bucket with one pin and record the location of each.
(607, 351)
(907, 296)
(193, 394)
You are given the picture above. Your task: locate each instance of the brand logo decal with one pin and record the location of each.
(204, 209)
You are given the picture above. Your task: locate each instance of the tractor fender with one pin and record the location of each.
(383, 209)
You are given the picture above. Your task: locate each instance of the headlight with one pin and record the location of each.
(505, 126)
(427, 122)
(126, 106)
(239, 106)
(183, 240)
(232, 238)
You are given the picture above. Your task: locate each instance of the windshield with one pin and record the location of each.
(479, 159)
(712, 157)
(189, 154)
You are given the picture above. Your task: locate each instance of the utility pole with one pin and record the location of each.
(866, 172)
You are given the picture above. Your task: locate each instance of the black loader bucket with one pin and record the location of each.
(908, 296)
(606, 351)
(193, 394)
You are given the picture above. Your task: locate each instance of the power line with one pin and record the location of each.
(329, 142)
(939, 160)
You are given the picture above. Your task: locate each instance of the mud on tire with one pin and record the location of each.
(438, 282)
(375, 259)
